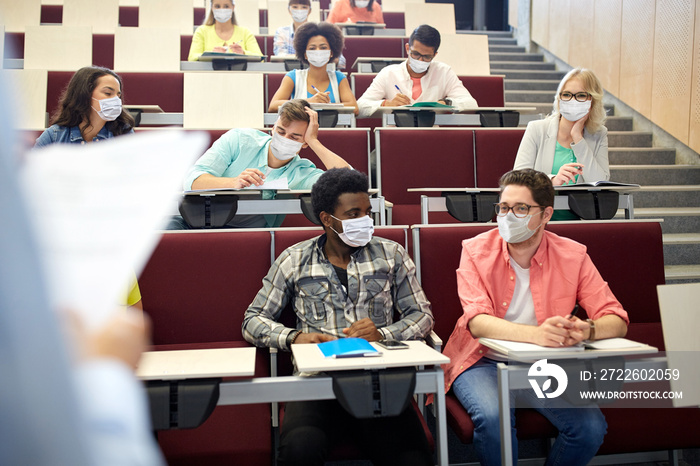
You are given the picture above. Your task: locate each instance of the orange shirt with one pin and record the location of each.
(417, 89)
(343, 12)
(561, 274)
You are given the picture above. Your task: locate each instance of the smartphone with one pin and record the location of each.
(392, 344)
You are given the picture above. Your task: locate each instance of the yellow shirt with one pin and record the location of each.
(205, 39)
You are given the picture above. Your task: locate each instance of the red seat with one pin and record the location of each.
(494, 153)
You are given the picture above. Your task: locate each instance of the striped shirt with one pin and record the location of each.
(381, 283)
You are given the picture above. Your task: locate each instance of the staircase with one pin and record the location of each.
(669, 191)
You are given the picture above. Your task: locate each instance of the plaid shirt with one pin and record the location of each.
(381, 281)
(284, 41)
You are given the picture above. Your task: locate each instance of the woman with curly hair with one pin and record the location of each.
(571, 144)
(90, 109)
(316, 45)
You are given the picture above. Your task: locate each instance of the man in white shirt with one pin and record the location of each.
(419, 79)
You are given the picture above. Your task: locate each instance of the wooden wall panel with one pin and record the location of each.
(539, 29)
(673, 58)
(694, 127)
(606, 43)
(513, 13)
(559, 28)
(637, 54)
(581, 27)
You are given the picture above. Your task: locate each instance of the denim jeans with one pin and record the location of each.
(581, 430)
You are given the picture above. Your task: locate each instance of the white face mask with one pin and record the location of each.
(110, 109)
(318, 58)
(299, 15)
(418, 66)
(284, 148)
(361, 3)
(223, 15)
(513, 229)
(356, 231)
(573, 110)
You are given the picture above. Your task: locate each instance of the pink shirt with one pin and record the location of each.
(561, 274)
(342, 11)
(417, 88)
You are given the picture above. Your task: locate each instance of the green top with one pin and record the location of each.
(562, 156)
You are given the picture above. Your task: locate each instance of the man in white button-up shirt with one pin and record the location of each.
(419, 79)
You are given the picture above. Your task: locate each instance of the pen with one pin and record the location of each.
(314, 88)
(398, 89)
(357, 355)
(573, 312)
(329, 332)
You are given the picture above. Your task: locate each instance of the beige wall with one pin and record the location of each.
(645, 52)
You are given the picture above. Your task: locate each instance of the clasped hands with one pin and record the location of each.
(363, 328)
(561, 331)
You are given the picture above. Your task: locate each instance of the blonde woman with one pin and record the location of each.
(221, 33)
(571, 144)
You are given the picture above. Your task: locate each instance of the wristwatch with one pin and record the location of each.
(591, 335)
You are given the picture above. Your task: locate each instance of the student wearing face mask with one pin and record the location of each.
(316, 45)
(341, 271)
(354, 11)
(283, 44)
(420, 78)
(243, 157)
(520, 282)
(89, 109)
(571, 144)
(221, 33)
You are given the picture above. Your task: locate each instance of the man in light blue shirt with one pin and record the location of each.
(244, 157)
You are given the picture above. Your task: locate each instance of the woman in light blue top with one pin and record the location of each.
(316, 45)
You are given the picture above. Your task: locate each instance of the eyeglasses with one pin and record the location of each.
(520, 209)
(417, 56)
(580, 96)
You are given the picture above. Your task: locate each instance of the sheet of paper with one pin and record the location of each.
(279, 184)
(97, 209)
(518, 346)
(614, 343)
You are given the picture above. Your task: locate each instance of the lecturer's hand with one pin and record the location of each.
(363, 328)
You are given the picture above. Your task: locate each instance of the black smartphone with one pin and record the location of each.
(392, 344)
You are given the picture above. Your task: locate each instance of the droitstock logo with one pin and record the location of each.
(541, 369)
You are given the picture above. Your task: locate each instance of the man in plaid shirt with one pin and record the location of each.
(344, 283)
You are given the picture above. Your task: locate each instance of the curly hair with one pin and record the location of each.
(369, 6)
(210, 17)
(592, 85)
(332, 184)
(75, 103)
(306, 31)
(539, 184)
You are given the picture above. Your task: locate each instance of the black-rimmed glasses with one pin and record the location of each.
(417, 56)
(580, 96)
(520, 209)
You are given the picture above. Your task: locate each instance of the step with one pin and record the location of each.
(629, 138)
(656, 174)
(682, 273)
(515, 57)
(513, 74)
(498, 41)
(523, 65)
(506, 49)
(532, 85)
(614, 123)
(667, 196)
(641, 156)
(681, 248)
(675, 219)
(530, 96)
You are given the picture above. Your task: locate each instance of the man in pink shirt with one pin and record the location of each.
(520, 283)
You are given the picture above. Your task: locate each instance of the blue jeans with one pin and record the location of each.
(581, 430)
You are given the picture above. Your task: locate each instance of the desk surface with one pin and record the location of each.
(573, 187)
(192, 364)
(310, 359)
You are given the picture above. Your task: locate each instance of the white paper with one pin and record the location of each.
(278, 184)
(519, 346)
(97, 209)
(614, 343)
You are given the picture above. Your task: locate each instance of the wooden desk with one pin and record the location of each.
(374, 64)
(451, 116)
(193, 364)
(360, 29)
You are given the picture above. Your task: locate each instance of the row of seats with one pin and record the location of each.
(103, 48)
(186, 289)
(167, 89)
(129, 16)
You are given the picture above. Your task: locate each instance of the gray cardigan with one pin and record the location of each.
(539, 142)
